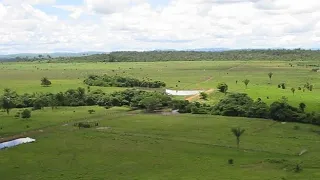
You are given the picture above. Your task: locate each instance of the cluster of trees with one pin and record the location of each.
(118, 81)
(241, 105)
(79, 97)
(238, 104)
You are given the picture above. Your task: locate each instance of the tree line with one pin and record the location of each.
(118, 81)
(232, 55)
(234, 104)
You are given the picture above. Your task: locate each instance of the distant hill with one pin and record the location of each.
(47, 55)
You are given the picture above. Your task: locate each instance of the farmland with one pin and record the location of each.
(131, 144)
(25, 77)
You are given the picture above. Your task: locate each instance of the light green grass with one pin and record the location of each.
(25, 77)
(166, 147)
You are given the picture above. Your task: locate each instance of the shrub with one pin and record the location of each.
(298, 168)
(91, 111)
(203, 95)
(26, 114)
(230, 161)
(223, 87)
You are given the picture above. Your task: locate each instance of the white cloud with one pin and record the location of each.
(135, 24)
(32, 2)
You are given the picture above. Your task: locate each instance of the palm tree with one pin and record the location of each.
(237, 132)
(246, 82)
(270, 74)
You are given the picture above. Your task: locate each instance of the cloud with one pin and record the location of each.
(110, 6)
(31, 2)
(181, 24)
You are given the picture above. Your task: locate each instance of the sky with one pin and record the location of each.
(44, 26)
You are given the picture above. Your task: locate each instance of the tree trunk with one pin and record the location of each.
(238, 142)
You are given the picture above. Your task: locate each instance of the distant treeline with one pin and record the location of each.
(118, 81)
(238, 104)
(232, 55)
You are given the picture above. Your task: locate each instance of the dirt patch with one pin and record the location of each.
(191, 98)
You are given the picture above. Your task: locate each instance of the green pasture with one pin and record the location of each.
(25, 77)
(127, 145)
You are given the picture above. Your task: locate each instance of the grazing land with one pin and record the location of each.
(130, 144)
(25, 77)
(127, 145)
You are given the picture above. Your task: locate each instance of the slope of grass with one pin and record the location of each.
(167, 147)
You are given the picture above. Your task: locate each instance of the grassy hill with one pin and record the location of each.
(127, 145)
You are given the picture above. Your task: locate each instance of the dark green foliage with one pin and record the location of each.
(237, 132)
(298, 168)
(246, 82)
(203, 95)
(293, 90)
(258, 109)
(302, 106)
(234, 55)
(26, 114)
(8, 100)
(242, 105)
(91, 111)
(282, 85)
(270, 74)
(233, 105)
(308, 86)
(45, 82)
(223, 87)
(118, 81)
(230, 161)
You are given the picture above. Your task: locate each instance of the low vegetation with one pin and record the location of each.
(118, 81)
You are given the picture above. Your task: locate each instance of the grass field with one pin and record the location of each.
(25, 77)
(133, 145)
(142, 146)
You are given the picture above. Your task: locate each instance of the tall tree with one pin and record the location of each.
(237, 132)
(7, 100)
(246, 82)
(45, 81)
(270, 74)
(293, 90)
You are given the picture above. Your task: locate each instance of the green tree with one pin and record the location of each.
(151, 103)
(203, 95)
(45, 82)
(7, 101)
(237, 132)
(302, 106)
(246, 82)
(26, 114)
(293, 90)
(223, 87)
(270, 74)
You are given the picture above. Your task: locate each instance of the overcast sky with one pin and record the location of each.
(105, 25)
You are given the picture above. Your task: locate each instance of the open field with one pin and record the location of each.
(133, 145)
(25, 77)
(142, 146)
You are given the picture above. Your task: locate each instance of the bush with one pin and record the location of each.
(230, 161)
(91, 111)
(26, 114)
(223, 87)
(118, 81)
(203, 95)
